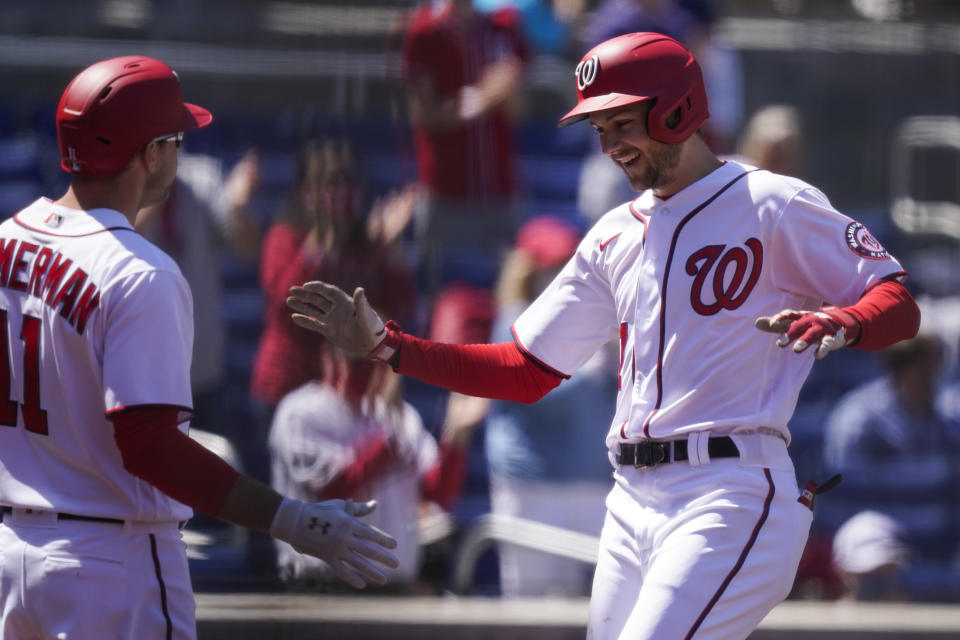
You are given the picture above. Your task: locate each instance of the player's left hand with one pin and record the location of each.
(827, 328)
(330, 530)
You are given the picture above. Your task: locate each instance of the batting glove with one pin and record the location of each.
(349, 323)
(830, 329)
(330, 531)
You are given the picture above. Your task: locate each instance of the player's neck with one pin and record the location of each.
(107, 193)
(696, 162)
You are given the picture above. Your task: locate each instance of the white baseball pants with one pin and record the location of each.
(700, 552)
(77, 580)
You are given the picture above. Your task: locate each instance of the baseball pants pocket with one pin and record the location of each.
(78, 595)
(92, 580)
(82, 567)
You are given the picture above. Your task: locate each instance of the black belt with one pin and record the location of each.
(72, 516)
(650, 453)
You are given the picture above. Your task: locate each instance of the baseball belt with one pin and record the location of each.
(73, 516)
(650, 453)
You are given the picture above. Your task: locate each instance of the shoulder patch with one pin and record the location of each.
(863, 244)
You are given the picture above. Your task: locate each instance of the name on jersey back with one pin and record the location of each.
(43, 273)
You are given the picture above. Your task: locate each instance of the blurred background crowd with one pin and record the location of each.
(412, 148)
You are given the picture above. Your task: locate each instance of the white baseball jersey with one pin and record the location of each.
(95, 319)
(682, 281)
(313, 438)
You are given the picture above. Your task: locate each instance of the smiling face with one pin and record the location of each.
(647, 163)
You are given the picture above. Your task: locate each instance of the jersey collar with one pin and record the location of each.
(43, 216)
(691, 195)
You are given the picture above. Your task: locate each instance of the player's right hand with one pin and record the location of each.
(330, 531)
(349, 323)
(824, 328)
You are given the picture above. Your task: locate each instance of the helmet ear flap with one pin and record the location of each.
(676, 121)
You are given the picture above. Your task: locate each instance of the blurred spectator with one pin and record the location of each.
(324, 235)
(773, 140)
(463, 313)
(205, 216)
(462, 71)
(948, 401)
(355, 437)
(894, 415)
(870, 554)
(896, 451)
(545, 463)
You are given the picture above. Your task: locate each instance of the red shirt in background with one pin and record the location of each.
(288, 355)
(476, 160)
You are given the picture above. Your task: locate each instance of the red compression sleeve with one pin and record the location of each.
(372, 462)
(887, 314)
(153, 449)
(498, 371)
(444, 481)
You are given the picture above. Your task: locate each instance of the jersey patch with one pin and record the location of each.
(864, 244)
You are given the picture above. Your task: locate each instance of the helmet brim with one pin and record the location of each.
(195, 117)
(598, 103)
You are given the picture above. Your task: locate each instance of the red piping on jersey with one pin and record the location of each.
(887, 278)
(623, 346)
(163, 587)
(68, 235)
(663, 296)
(743, 556)
(638, 216)
(532, 358)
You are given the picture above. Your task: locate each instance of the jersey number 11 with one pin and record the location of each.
(34, 418)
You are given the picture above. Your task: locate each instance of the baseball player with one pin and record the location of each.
(97, 473)
(705, 523)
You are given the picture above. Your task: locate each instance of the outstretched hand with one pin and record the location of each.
(348, 322)
(805, 328)
(330, 531)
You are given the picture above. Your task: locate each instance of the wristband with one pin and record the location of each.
(285, 519)
(387, 347)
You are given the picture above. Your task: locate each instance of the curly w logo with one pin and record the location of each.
(728, 292)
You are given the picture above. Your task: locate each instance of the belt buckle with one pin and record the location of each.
(649, 454)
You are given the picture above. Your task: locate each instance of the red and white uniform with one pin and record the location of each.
(474, 161)
(85, 289)
(703, 548)
(95, 320)
(683, 284)
(315, 436)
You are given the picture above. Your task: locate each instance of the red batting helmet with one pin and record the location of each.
(643, 66)
(114, 107)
